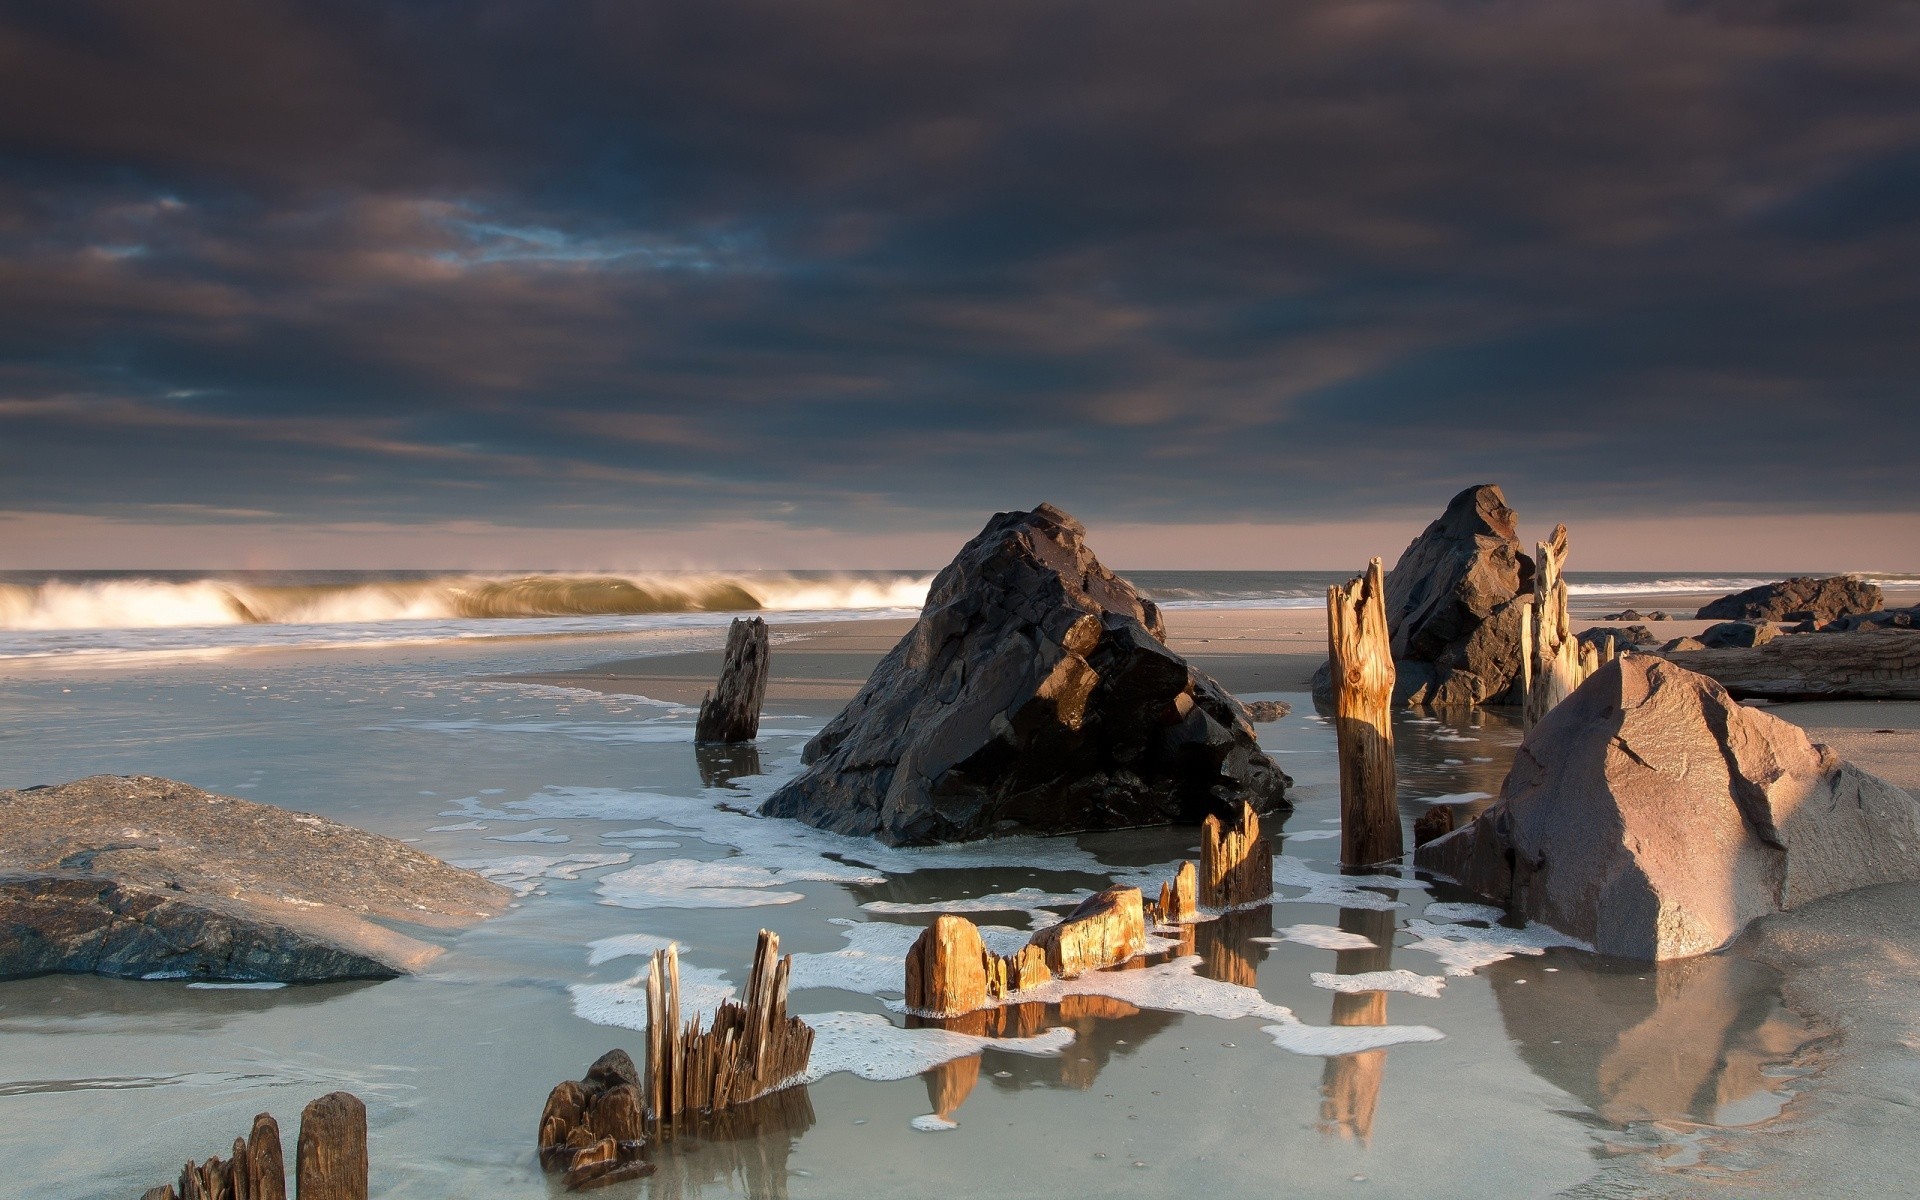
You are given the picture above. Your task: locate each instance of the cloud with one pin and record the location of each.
(897, 265)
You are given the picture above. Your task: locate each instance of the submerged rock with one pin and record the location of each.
(1035, 692)
(143, 877)
(1653, 816)
(1455, 602)
(1797, 599)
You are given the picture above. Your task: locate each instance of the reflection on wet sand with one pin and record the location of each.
(1350, 1083)
(722, 763)
(1688, 1040)
(736, 1151)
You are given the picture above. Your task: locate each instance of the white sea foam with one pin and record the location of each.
(933, 1123)
(1324, 937)
(874, 961)
(1330, 1041)
(1464, 949)
(1458, 912)
(1455, 798)
(1019, 900)
(626, 945)
(872, 1047)
(1309, 835)
(1341, 891)
(624, 1005)
(547, 836)
(1381, 981)
(721, 883)
(237, 987)
(523, 872)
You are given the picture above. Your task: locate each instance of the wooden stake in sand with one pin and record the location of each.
(731, 712)
(1555, 662)
(749, 1050)
(1236, 863)
(331, 1162)
(1362, 668)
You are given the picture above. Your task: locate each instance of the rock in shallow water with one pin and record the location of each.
(1034, 693)
(144, 877)
(1653, 816)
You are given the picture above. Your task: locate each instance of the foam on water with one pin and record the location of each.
(1381, 981)
(933, 1123)
(1332, 1040)
(523, 872)
(1460, 912)
(626, 945)
(624, 1005)
(1019, 900)
(547, 836)
(721, 883)
(1464, 949)
(1309, 835)
(1324, 937)
(872, 1047)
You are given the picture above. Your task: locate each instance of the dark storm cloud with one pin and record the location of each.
(877, 264)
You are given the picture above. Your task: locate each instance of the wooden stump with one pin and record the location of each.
(1236, 862)
(947, 969)
(331, 1161)
(1554, 663)
(266, 1169)
(255, 1172)
(1108, 927)
(731, 712)
(1362, 667)
(1179, 899)
(750, 1048)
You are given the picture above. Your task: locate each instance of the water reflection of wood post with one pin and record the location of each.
(1350, 1083)
(1361, 662)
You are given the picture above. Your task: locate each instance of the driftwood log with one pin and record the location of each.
(1236, 862)
(749, 1049)
(1108, 927)
(731, 712)
(1879, 665)
(1361, 665)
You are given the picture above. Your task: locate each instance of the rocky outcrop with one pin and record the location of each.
(1455, 602)
(1888, 618)
(1653, 816)
(1797, 599)
(1629, 638)
(147, 878)
(1036, 692)
(1869, 665)
(1737, 635)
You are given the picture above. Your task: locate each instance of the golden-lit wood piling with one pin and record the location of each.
(947, 968)
(330, 1162)
(749, 1049)
(1361, 657)
(1179, 898)
(1236, 861)
(731, 712)
(1016, 973)
(1108, 927)
(1553, 657)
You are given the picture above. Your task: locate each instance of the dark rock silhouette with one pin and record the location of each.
(1797, 599)
(1035, 693)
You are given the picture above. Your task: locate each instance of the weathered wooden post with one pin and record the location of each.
(266, 1170)
(1180, 898)
(1362, 667)
(1557, 662)
(331, 1161)
(1236, 862)
(731, 712)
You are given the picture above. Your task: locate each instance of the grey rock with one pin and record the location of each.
(1868, 664)
(1737, 634)
(1798, 599)
(1623, 639)
(1653, 816)
(1890, 618)
(144, 877)
(1035, 693)
(1455, 605)
(1628, 615)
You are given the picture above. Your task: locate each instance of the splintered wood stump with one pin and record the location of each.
(1361, 658)
(1108, 927)
(255, 1172)
(731, 712)
(1017, 973)
(266, 1170)
(749, 1050)
(1553, 658)
(331, 1160)
(1236, 862)
(1179, 898)
(947, 968)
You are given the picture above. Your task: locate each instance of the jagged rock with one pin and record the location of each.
(1890, 618)
(1868, 665)
(1623, 639)
(1627, 615)
(1652, 815)
(141, 877)
(1106, 928)
(1797, 599)
(1035, 692)
(1455, 601)
(1682, 645)
(1658, 615)
(1737, 634)
(1262, 711)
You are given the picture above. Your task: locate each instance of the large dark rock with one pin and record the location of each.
(1652, 815)
(1889, 618)
(148, 878)
(1035, 693)
(1797, 599)
(1454, 607)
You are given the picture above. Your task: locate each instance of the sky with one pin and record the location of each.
(795, 283)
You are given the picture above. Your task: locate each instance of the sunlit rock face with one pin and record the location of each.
(1036, 692)
(1653, 816)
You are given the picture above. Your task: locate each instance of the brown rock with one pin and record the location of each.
(1732, 634)
(1797, 599)
(1653, 816)
(1108, 927)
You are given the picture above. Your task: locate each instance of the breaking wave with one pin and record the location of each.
(152, 603)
